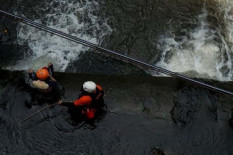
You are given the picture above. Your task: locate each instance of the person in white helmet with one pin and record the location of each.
(90, 99)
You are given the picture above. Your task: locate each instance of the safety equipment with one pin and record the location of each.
(84, 100)
(89, 86)
(42, 74)
(90, 113)
(40, 84)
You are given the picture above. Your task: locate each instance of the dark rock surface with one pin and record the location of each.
(138, 119)
(11, 52)
(156, 151)
(96, 63)
(188, 102)
(138, 25)
(231, 120)
(141, 109)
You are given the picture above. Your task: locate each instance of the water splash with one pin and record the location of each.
(202, 52)
(75, 18)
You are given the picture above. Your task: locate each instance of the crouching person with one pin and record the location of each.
(89, 104)
(45, 86)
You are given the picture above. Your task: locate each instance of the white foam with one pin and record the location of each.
(198, 52)
(66, 17)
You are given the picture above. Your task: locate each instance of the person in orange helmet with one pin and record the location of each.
(43, 78)
(44, 87)
(90, 101)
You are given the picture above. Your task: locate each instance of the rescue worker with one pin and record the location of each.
(43, 79)
(90, 101)
(45, 87)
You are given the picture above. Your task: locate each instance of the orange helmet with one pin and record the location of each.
(42, 74)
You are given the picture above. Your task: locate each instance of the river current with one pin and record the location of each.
(145, 115)
(193, 38)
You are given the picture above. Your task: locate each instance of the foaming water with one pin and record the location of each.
(202, 52)
(198, 44)
(75, 18)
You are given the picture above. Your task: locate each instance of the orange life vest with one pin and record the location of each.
(88, 99)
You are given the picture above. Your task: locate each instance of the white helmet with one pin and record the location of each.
(89, 86)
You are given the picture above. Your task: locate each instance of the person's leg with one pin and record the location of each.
(90, 113)
(75, 115)
(90, 123)
(55, 85)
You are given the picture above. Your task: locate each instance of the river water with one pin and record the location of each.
(191, 37)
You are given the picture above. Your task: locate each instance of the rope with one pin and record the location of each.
(39, 111)
(113, 53)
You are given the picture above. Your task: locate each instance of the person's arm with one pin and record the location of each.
(66, 103)
(82, 101)
(32, 75)
(101, 93)
(54, 80)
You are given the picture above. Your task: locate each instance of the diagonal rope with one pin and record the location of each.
(113, 53)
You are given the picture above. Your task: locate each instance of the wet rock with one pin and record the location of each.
(231, 120)
(10, 50)
(8, 34)
(2, 104)
(28, 101)
(156, 151)
(185, 106)
(91, 62)
(150, 105)
(137, 25)
(189, 101)
(10, 54)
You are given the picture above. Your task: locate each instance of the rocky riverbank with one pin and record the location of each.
(163, 113)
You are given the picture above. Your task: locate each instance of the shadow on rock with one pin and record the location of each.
(156, 151)
(38, 98)
(77, 119)
(231, 120)
(189, 101)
